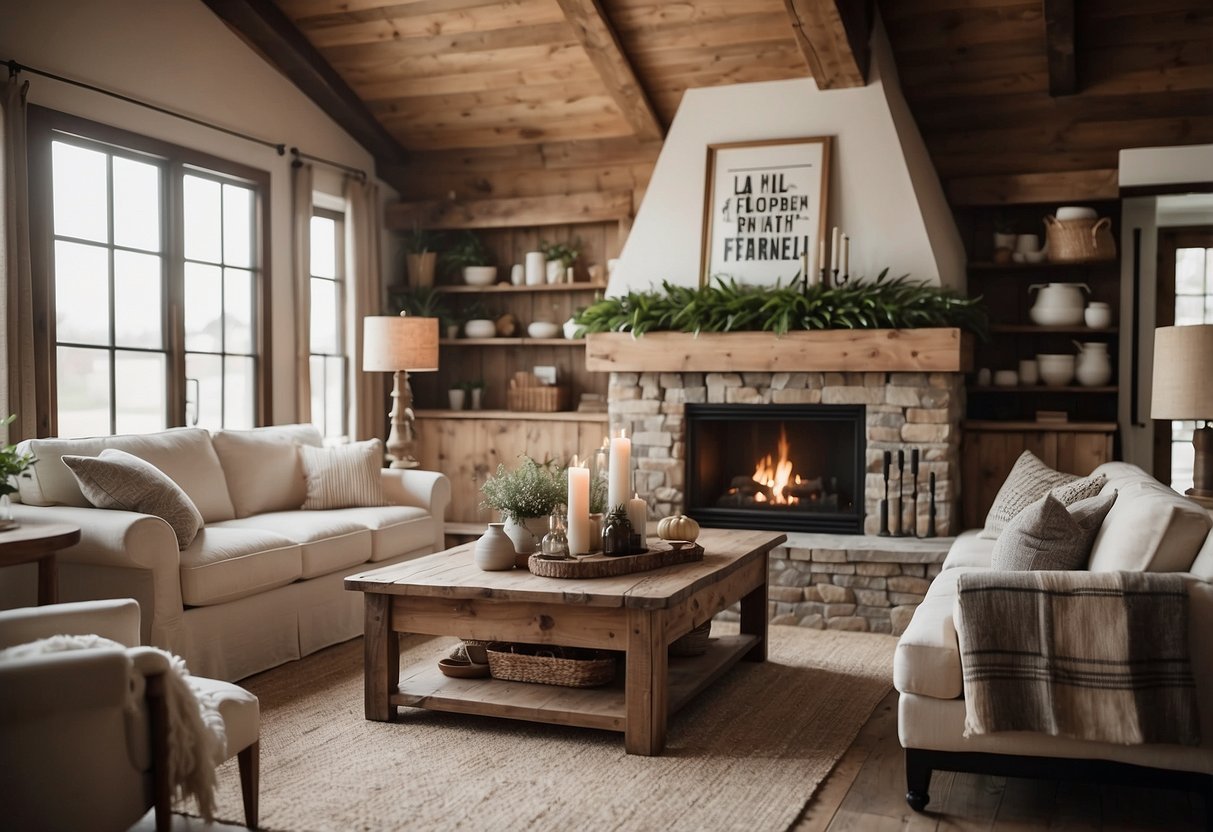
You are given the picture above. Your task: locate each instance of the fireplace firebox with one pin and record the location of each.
(794, 467)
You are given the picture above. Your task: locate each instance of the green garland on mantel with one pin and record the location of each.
(724, 305)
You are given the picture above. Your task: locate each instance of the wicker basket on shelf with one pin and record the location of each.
(694, 643)
(551, 665)
(1080, 240)
(527, 394)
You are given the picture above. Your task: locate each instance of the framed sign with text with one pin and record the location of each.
(764, 212)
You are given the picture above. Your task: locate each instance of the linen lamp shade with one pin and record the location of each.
(1183, 389)
(391, 343)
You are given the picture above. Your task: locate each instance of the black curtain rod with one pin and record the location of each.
(15, 68)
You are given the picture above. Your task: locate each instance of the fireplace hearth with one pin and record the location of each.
(795, 467)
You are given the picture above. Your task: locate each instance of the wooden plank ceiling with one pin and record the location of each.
(977, 75)
(1016, 99)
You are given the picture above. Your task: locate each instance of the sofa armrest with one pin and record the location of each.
(927, 660)
(430, 490)
(116, 619)
(78, 680)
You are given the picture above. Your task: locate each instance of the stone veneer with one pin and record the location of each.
(842, 582)
(904, 410)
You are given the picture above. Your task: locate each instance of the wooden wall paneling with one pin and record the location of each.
(1068, 186)
(1059, 46)
(516, 211)
(833, 37)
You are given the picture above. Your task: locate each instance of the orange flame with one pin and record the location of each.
(777, 475)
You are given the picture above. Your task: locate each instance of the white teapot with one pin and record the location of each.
(1058, 304)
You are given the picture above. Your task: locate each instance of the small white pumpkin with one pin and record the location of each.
(678, 527)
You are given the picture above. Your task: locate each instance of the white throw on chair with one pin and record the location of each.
(73, 754)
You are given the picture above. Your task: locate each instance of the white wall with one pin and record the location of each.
(883, 189)
(1145, 166)
(179, 55)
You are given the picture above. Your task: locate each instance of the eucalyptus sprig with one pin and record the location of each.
(532, 489)
(724, 305)
(12, 464)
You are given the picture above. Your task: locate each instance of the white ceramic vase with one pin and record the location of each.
(555, 271)
(494, 551)
(456, 399)
(526, 534)
(1093, 367)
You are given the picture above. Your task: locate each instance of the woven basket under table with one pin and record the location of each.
(546, 665)
(694, 643)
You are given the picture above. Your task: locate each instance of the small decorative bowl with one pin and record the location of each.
(462, 670)
(543, 329)
(479, 275)
(480, 328)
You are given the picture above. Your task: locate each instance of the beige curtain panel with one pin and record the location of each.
(365, 289)
(301, 283)
(20, 381)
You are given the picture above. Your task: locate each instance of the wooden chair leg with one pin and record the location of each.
(249, 761)
(157, 707)
(918, 780)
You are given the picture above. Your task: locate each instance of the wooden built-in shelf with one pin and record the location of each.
(424, 686)
(1034, 329)
(512, 342)
(503, 288)
(535, 416)
(1044, 427)
(1040, 388)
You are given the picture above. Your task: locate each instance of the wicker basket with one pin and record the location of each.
(1079, 241)
(548, 665)
(694, 643)
(546, 399)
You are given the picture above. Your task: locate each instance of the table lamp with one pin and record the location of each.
(400, 345)
(1183, 389)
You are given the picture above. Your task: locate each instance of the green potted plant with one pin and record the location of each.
(560, 258)
(421, 256)
(12, 464)
(471, 258)
(525, 496)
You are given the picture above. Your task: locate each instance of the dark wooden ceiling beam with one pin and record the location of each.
(833, 36)
(601, 43)
(271, 33)
(1059, 46)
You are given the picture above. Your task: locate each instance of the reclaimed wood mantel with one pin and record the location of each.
(947, 350)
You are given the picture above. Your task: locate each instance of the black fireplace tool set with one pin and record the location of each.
(900, 531)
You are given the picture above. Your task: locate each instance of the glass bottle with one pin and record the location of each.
(555, 544)
(617, 533)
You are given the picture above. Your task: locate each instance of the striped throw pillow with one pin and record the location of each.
(344, 476)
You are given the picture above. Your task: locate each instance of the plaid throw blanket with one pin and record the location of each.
(1091, 655)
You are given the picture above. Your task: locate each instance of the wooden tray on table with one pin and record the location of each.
(601, 566)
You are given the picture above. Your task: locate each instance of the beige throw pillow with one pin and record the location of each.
(345, 476)
(1048, 535)
(1029, 480)
(118, 480)
(262, 467)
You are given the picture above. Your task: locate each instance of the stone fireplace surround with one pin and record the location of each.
(850, 582)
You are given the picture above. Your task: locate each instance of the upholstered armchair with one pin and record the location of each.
(75, 751)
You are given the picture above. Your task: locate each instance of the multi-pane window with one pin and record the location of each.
(328, 361)
(1193, 305)
(155, 274)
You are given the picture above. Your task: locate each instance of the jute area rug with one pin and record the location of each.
(747, 753)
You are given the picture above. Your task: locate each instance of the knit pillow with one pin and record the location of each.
(1048, 535)
(344, 476)
(118, 480)
(1029, 480)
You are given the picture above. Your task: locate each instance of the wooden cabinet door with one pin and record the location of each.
(987, 457)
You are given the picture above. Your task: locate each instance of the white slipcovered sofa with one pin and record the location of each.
(261, 583)
(1149, 528)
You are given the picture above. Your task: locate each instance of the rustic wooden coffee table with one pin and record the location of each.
(640, 614)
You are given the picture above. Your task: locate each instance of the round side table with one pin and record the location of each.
(39, 542)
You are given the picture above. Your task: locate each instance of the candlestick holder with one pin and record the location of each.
(901, 487)
(825, 277)
(884, 504)
(931, 509)
(841, 281)
(914, 495)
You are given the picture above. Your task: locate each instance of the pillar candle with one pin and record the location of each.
(638, 516)
(821, 257)
(619, 478)
(579, 509)
(834, 241)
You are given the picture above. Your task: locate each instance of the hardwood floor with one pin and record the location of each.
(866, 791)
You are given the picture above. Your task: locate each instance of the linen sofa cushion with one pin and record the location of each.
(186, 455)
(1048, 535)
(119, 480)
(344, 476)
(1150, 528)
(225, 564)
(927, 660)
(1202, 567)
(969, 549)
(262, 466)
(328, 543)
(395, 530)
(1029, 480)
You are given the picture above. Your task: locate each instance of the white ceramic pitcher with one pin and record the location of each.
(1094, 367)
